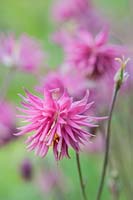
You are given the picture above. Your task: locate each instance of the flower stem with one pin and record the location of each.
(106, 157)
(6, 84)
(80, 177)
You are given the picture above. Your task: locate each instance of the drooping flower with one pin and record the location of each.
(93, 57)
(7, 123)
(24, 53)
(60, 123)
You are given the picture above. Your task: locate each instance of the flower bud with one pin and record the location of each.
(121, 76)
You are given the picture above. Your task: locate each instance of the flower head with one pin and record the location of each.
(94, 57)
(25, 53)
(56, 122)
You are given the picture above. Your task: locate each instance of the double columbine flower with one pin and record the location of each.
(59, 123)
(94, 57)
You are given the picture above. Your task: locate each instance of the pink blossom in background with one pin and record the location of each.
(52, 81)
(93, 57)
(56, 122)
(81, 12)
(75, 82)
(24, 53)
(50, 180)
(61, 37)
(7, 123)
(66, 10)
(69, 79)
(91, 21)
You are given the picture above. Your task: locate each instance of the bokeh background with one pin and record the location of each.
(34, 18)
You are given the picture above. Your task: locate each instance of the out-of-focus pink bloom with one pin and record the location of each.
(93, 57)
(66, 10)
(96, 145)
(68, 79)
(61, 37)
(7, 123)
(57, 122)
(81, 12)
(52, 81)
(24, 53)
(50, 180)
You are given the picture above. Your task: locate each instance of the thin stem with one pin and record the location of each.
(6, 84)
(106, 157)
(80, 177)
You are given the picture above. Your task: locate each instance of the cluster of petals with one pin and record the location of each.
(93, 57)
(24, 53)
(58, 122)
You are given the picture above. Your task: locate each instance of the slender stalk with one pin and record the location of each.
(6, 83)
(106, 157)
(80, 177)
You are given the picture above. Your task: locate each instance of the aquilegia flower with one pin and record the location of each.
(93, 57)
(56, 122)
(24, 53)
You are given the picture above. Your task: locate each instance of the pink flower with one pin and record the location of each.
(56, 122)
(52, 81)
(24, 53)
(69, 79)
(81, 12)
(61, 37)
(66, 10)
(7, 123)
(93, 57)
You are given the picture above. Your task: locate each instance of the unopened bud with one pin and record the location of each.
(121, 76)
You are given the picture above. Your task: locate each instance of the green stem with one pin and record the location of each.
(106, 157)
(80, 177)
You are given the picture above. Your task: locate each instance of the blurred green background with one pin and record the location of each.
(33, 18)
